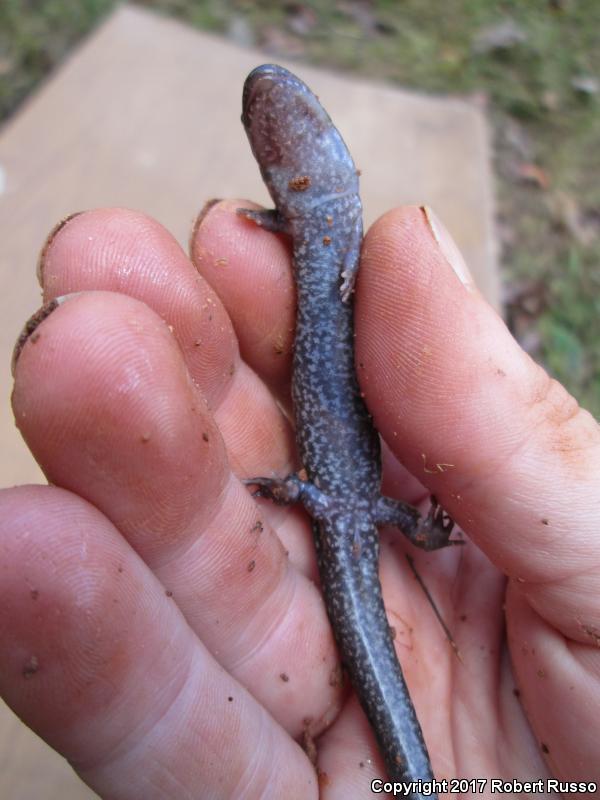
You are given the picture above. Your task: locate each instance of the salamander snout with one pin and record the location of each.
(301, 154)
(281, 115)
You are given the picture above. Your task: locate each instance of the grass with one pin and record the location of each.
(547, 130)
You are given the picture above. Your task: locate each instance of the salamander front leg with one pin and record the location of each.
(428, 533)
(351, 262)
(268, 218)
(285, 491)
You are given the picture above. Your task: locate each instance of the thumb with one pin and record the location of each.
(505, 448)
(509, 453)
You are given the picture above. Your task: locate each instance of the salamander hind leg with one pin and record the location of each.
(292, 489)
(428, 533)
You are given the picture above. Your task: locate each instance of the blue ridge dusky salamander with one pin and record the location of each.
(313, 181)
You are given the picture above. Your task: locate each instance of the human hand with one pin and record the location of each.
(131, 625)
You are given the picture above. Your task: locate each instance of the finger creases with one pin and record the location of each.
(106, 404)
(504, 446)
(101, 663)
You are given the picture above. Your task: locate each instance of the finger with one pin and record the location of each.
(349, 759)
(505, 448)
(250, 270)
(101, 663)
(105, 403)
(124, 251)
(548, 665)
(473, 417)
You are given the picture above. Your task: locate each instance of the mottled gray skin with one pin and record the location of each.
(313, 182)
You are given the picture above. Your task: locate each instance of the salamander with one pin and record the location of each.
(314, 184)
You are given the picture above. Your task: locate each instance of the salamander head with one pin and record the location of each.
(302, 157)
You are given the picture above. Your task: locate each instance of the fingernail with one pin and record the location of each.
(46, 246)
(30, 332)
(448, 247)
(199, 220)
